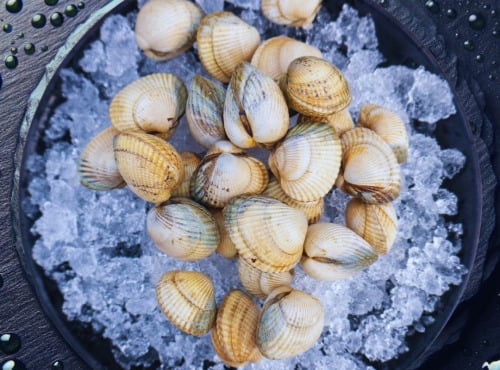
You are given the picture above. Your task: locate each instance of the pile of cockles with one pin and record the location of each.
(227, 200)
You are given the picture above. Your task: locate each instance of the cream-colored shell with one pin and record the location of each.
(371, 170)
(153, 104)
(388, 125)
(296, 13)
(274, 55)
(204, 110)
(226, 246)
(166, 28)
(255, 110)
(334, 252)
(183, 229)
(306, 163)
(340, 121)
(224, 40)
(266, 232)
(190, 162)
(187, 298)
(291, 321)
(150, 166)
(97, 166)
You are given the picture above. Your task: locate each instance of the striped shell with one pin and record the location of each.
(152, 104)
(97, 166)
(226, 246)
(150, 166)
(340, 121)
(187, 298)
(296, 13)
(266, 232)
(183, 229)
(306, 163)
(334, 252)
(291, 321)
(190, 162)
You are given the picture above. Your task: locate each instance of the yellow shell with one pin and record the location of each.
(291, 321)
(313, 209)
(224, 40)
(307, 161)
(376, 223)
(340, 121)
(315, 87)
(226, 172)
(166, 28)
(190, 162)
(150, 166)
(183, 229)
(226, 246)
(187, 298)
(274, 55)
(296, 13)
(334, 252)
(97, 166)
(233, 335)
(266, 232)
(255, 111)
(388, 125)
(371, 171)
(204, 109)
(153, 104)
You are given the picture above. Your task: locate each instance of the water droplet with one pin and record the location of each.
(13, 50)
(38, 20)
(432, 6)
(14, 6)
(493, 13)
(71, 10)
(20, 35)
(57, 365)
(10, 61)
(495, 33)
(44, 48)
(13, 365)
(9, 343)
(29, 48)
(492, 77)
(494, 64)
(451, 13)
(81, 5)
(469, 45)
(56, 19)
(486, 6)
(51, 2)
(457, 35)
(7, 28)
(476, 21)
(1, 277)
(480, 58)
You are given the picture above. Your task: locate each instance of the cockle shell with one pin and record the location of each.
(150, 166)
(266, 232)
(190, 162)
(226, 246)
(153, 104)
(376, 223)
(291, 321)
(274, 55)
(340, 121)
(226, 172)
(224, 40)
(388, 125)
(187, 298)
(334, 252)
(296, 13)
(307, 161)
(315, 87)
(204, 110)
(370, 168)
(183, 229)
(97, 166)
(313, 209)
(255, 110)
(166, 28)
(233, 335)
(259, 283)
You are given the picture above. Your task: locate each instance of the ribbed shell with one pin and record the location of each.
(259, 283)
(266, 232)
(340, 121)
(274, 55)
(376, 223)
(224, 40)
(334, 252)
(223, 175)
(187, 298)
(204, 110)
(190, 162)
(255, 110)
(388, 125)
(226, 246)
(306, 163)
(166, 28)
(153, 104)
(183, 229)
(233, 335)
(151, 167)
(315, 87)
(296, 13)
(313, 209)
(291, 321)
(371, 171)
(97, 166)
